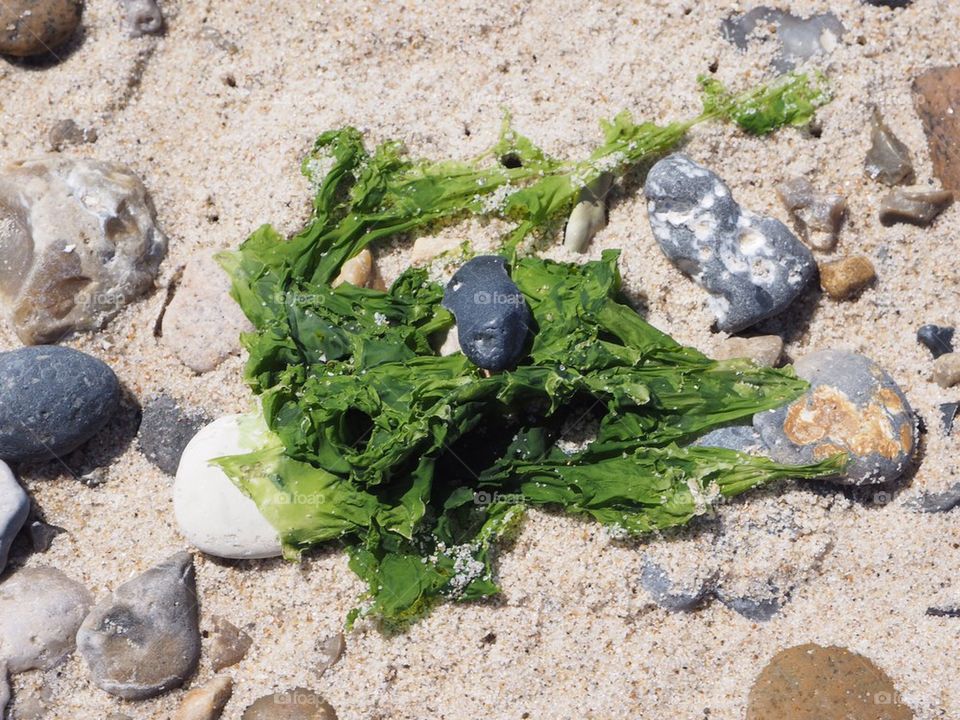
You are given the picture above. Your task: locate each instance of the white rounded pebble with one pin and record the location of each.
(211, 511)
(14, 507)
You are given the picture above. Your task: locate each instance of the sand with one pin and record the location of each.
(218, 136)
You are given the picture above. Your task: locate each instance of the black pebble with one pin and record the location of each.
(938, 340)
(948, 412)
(165, 431)
(493, 320)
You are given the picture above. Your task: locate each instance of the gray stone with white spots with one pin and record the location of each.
(145, 638)
(752, 266)
(852, 407)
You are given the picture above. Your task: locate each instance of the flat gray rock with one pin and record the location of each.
(40, 611)
(852, 406)
(14, 508)
(758, 609)
(752, 266)
(54, 400)
(671, 594)
(166, 429)
(296, 704)
(145, 639)
(801, 38)
(936, 502)
(743, 438)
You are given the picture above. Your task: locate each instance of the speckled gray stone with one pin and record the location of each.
(145, 639)
(40, 611)
(14, 508)
(493, 320)
(54, 399)
(757, 609)
(852, 406)
(671, 595)
(743, 438)
(166, 429)
(800, 38)
(142, 17)
(752, 266)
(928, 502)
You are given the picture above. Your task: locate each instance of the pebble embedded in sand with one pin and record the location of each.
(54, 400)
(202, 324)
(493, 320)
(946, 370)
(207, 701)
(144, 639)
(166, 429)
(67, 133)
(888, 159)
(810, 682)
(937, 339)
(14, 508)
(35, 27)
(671, 593)
(801, 38)
(329, 650)
(764, 350)
(752, 266)
(296, 704)
(818, 216)
(917, 207)
(80, 242)
(937, 97)
(589, 215)
(852, 407)
(228, 644)
(843, 279)
(40, 611)
(142, 17)
(213, 514)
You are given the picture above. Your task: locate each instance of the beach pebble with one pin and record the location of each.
(42, 535)
(818, 216)
(427, 247)
(4, 688)
(589, 215)
(66, 133)
(34, 27)
(14, 508)
(948, 413)
(917, 207)
(202, 324)
(936, 338)
(752, 266)
(207, 701)
(758, 609)
(852, 406)
(845, 278)
(810, 682)
(166, 429)
(80, 241)
(228, 644)
(213, 514)
(40, 611)
(675, 593)
(142, 17)
(764, 350)
(946, 370)
(144, 639)
(329, 650)
(742, 438)
(888, 3)
(800, 38)
(888, 159)
(54, 400)
(296, 704)
(937, 97)
(930, 502)
(493, 320)
(356, 271)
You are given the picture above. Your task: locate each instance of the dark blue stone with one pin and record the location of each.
(493, 320)
(52, 400)
(938, 340)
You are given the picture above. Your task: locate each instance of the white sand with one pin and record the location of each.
(575, 635)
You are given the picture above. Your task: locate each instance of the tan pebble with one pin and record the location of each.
(764, 350)
(946, 370)
(937, 97)
(356, 270)
(296, 704)
(34, 27)
(844, 278)
(330, 650)
(206, 702)
(228, 644)
(428, 247)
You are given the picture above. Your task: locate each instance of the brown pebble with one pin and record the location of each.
(34, 27)
(888, 159)
(821, 213)
(228, 644)
(918, 207)
(946, 370)
(330, 649)
(296, 704)
(937, 97)
(764, 350)
(66, 133)
(810, 682)
(207, 701)
(842, 279)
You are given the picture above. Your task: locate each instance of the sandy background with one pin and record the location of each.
(218, 136)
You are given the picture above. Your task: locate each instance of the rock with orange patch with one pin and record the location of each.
(853, 407)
